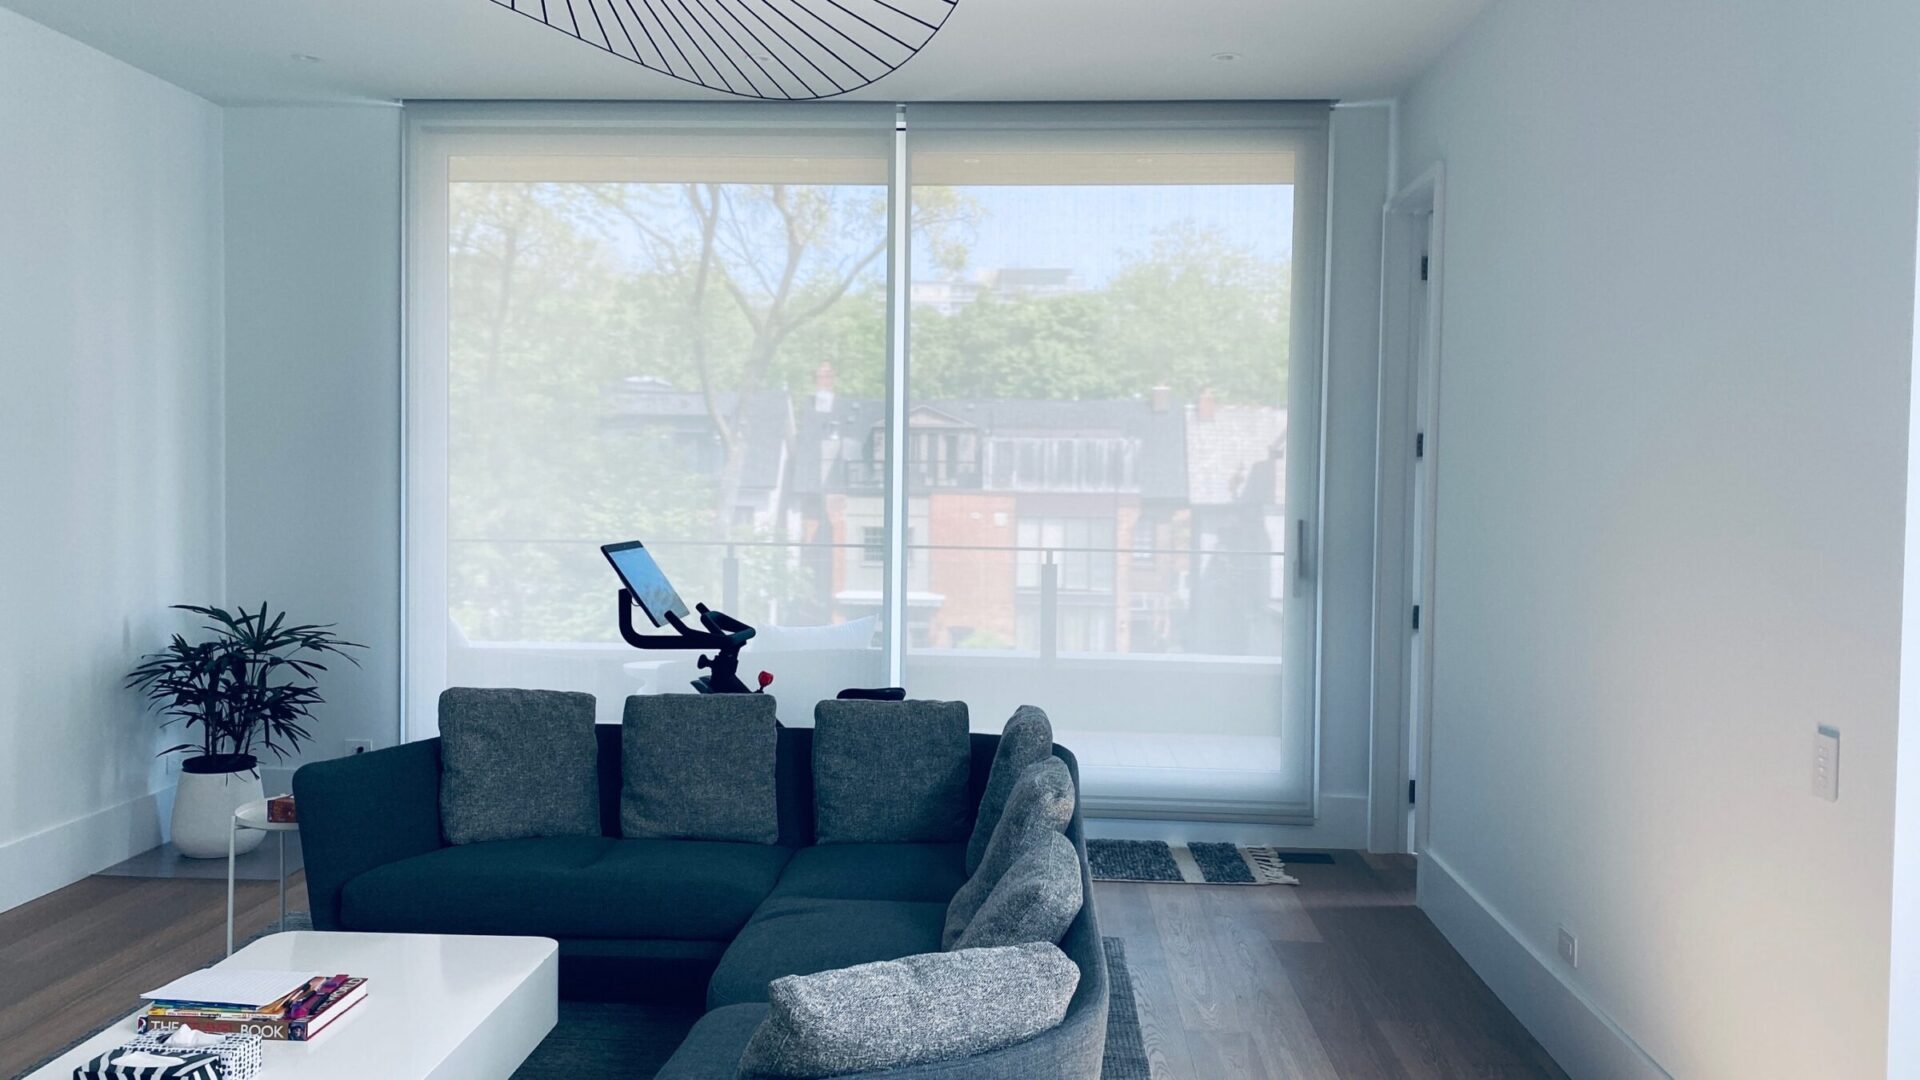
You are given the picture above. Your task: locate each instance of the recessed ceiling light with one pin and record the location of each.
(1226, 57)
(306, 58)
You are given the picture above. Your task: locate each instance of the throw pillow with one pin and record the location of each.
(1035, 900)
(1040, 805)
(891, 772)
(699, 767)
(917, 1009)
(517, 763)
(1027, 739)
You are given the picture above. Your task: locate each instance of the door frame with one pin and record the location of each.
(1402, 716)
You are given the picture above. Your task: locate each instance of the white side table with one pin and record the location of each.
(253, 815)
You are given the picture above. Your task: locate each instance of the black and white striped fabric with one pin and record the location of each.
(189, 1065)
(239, 1054)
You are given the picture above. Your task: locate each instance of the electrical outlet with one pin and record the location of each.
(1826, 763)
(358, 746)
(1569, 948)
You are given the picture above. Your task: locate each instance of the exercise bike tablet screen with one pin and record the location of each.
(644, 579)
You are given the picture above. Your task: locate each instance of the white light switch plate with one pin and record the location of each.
(1826, 764)
(1569, 948)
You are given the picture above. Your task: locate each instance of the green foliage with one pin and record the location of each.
(253, 683)
(1196, 312)
(559, 291)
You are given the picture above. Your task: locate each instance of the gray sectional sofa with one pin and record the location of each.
(686, 920)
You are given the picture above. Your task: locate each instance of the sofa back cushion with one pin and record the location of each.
(1026, 740)
(517, 763)
(1040, 805)
(928, 1007)
(1034, 901)
(891, 772)
(700, 767)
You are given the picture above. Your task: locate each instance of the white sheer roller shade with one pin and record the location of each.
(623, 325)
(1031, 390)
(1112, 410)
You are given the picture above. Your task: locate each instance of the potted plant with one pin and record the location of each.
(248, 687)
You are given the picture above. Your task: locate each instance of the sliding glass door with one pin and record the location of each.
(1098, 377)
(1106, 443)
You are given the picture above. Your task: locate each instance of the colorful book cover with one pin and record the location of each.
(279, 1027)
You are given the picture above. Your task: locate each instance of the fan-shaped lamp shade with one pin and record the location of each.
(782, 50)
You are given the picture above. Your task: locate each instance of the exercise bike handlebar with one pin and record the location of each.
(719, 631)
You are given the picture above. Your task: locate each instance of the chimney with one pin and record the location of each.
(1162, 397)
(823, 387)
(1203, 408)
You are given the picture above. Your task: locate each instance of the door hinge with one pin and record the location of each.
(1416, 616)
(1411, 801)
(1419, 444)
(1423, 268)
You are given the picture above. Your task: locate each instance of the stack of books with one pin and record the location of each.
(289, 1006)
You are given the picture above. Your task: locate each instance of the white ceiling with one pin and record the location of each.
(243, 51)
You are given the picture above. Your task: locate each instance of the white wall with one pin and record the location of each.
(313, 390)
(1903, 1043)
(1672, 454)
(110, 434)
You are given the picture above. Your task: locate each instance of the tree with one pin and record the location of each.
(784, 255)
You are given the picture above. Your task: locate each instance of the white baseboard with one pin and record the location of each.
(1342, 823)
(54, 858)
(1577, 1032)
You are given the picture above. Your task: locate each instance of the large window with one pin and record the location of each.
(1122, 311)
(1089, 331)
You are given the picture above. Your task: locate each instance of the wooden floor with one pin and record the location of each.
(1341, 977)
(76, 960)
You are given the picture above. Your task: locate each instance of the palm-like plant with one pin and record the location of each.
(251, 685)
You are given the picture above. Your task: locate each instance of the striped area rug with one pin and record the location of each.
(1194, 864)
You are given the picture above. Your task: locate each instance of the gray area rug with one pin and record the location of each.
(1197, 863)
(1126, 1047)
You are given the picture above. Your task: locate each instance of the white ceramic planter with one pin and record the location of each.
(203, 809)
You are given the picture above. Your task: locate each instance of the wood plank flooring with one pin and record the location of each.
(75, 960)
(1342, 977)
(1339, 978)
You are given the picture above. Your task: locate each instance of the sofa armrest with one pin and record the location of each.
(364, 811)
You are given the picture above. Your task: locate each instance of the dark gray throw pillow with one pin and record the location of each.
(1040, 805)
(933, 1007)
(1034, 901)
(891, 772)
(1027, 739)
(699, 767)
(517, 763)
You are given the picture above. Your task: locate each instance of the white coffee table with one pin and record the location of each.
(450, 1007)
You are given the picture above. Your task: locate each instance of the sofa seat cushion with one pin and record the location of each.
(712, 1049)
(800, 936)
(920, 872)
(569, 887)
